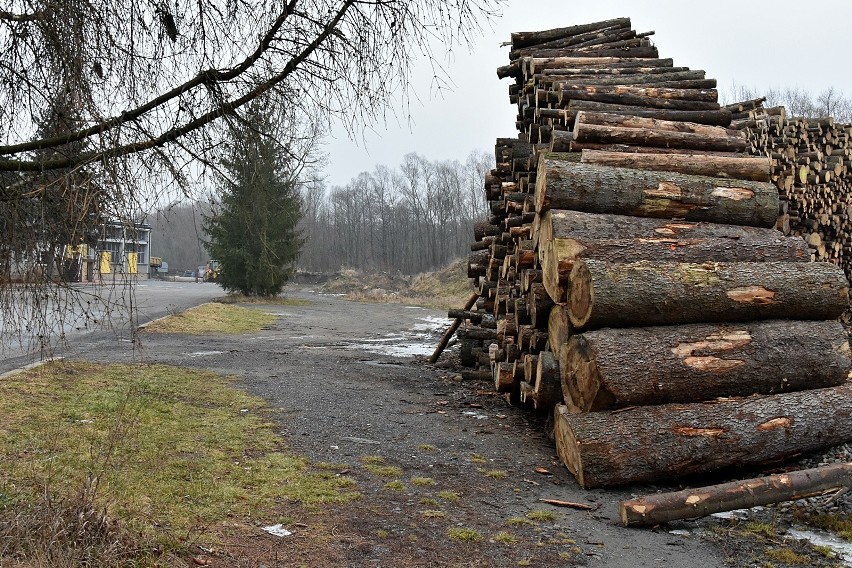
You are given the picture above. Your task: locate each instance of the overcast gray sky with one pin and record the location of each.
(757, 43)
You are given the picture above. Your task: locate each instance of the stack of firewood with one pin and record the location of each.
(631, 277)
(812, 167)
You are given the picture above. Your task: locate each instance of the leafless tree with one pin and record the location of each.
(410, 220)
(111, 107)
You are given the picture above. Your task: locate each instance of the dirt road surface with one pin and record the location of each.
(346, 384)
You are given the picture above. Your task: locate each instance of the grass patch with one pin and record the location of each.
(541, 516)
(840, 525)
(464, 534)
(427, 448)
(476, 458)
(518, 521)
(372, 459)
(383, 470)
(423, 481)
(434, 514)
(787, 556)
(161, 449)
(213, 318)
(765, 529)
(495, 473)
(270, 300)
(429, 502)
(450, 496)
(505, 538)
(395, 485)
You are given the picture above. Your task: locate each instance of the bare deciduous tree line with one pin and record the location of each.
(798, 102)
(414, 218)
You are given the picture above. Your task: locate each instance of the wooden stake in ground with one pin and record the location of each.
(449, 333)
(702, 501)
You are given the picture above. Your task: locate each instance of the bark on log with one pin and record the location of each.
(644, 444)
(561, 184)
(719, 117)
(540, 64)
(613, 368)
(745, 494)
(615, 120)
(664, 293)
(526, 39)
(652, 98)
(566, 236)
(560, 81)
(753, 168)
(655, 138)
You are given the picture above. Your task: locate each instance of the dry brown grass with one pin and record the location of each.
(442, 289)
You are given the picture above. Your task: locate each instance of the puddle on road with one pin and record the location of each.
(204, 353)
(841, 547)
(477, 415)
(421, 339)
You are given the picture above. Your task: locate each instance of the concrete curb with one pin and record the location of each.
(29, 367)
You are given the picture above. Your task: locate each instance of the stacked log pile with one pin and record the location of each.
(631, 280)
(812, 167)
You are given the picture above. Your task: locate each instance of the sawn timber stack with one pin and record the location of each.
(631, 278)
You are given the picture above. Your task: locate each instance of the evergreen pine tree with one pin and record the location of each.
(253, 234)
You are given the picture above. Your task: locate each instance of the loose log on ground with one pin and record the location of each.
(702, 501)
(613, 368)
(664, 293)
(753, 168)
(562, 184)
(566, 236)
(649, 443)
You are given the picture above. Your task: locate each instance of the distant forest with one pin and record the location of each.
(410, 219)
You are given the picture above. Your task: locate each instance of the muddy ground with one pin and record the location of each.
(343, 392)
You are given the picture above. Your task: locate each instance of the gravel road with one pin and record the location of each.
(348, 381)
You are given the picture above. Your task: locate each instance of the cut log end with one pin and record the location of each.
(581, 295)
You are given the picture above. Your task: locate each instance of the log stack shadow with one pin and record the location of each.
(632, 280)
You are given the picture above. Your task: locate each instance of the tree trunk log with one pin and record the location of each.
(548, 383)
(710, 117)
(649, 443)
(671, 99)
(753, 168)
(612, 368)
(745, 494)
(558, 328)
(656, 138)
(664, 293)
(527, 39)
(595, 118)
(561, 184)
(561, 81)
(567, 236)
(539, 64)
